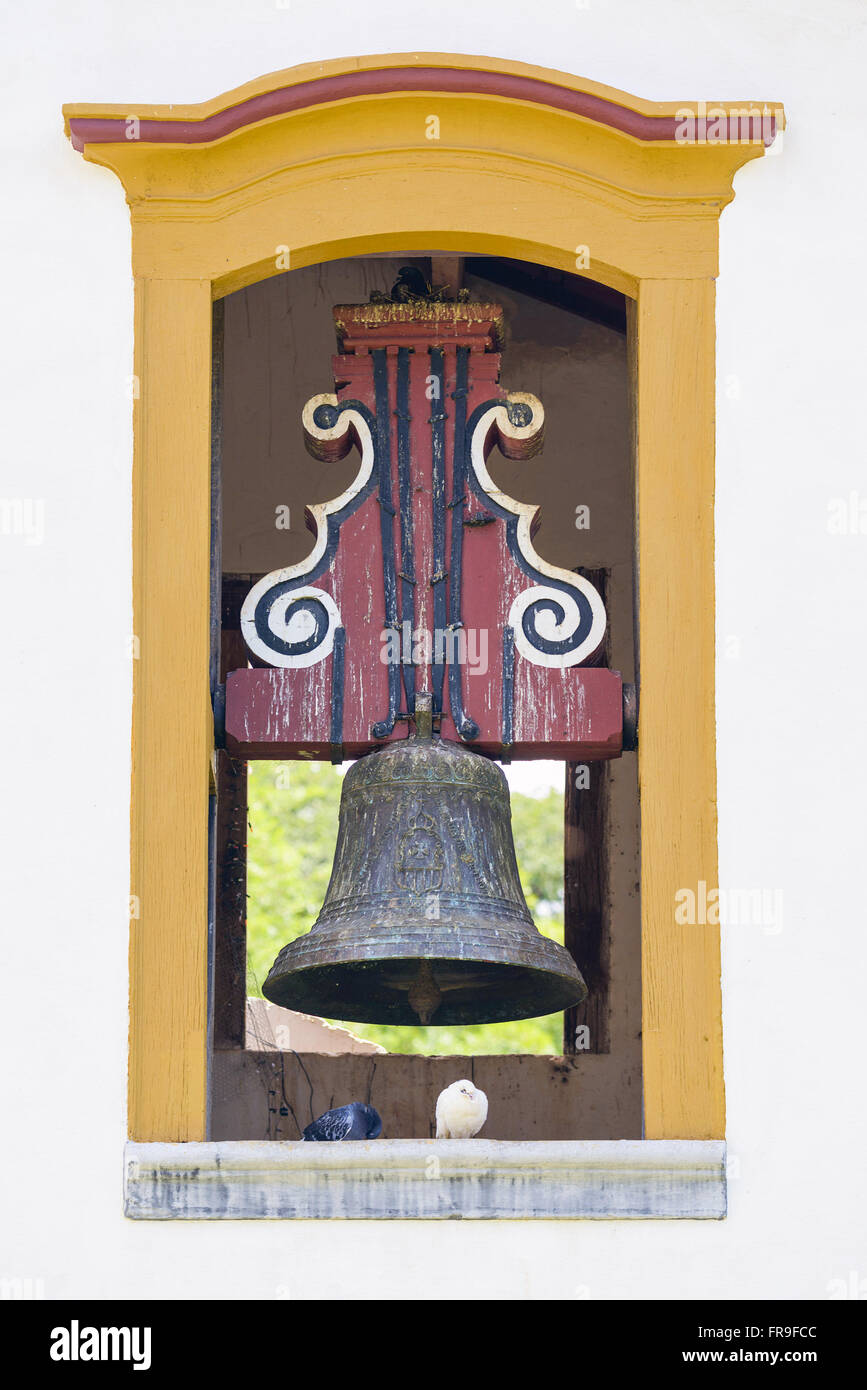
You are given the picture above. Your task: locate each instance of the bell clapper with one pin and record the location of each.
(424, 996)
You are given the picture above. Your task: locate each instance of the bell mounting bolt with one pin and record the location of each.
(423, 717)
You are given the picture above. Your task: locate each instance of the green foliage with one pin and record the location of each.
(292, 834)
(537, 826)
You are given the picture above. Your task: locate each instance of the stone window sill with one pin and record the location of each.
(427, 1179)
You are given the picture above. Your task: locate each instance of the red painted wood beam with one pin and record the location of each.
(281, 713)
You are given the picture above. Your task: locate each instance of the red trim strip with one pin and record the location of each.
(86, 131)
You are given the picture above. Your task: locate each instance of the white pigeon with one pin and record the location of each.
(461, 1111)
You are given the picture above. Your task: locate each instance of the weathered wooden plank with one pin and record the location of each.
(447, 270)
(217, 356)
(230, 964)
(268, 1095)
(586, 891)
(230, 971)
(235, 588)
(586, 904)
(280, 713)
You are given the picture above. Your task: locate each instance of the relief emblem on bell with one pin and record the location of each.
(419, 860)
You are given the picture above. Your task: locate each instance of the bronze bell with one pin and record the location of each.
(424, 920)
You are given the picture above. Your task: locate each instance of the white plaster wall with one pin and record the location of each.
(791, 726)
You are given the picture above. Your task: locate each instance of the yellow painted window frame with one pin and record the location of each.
(506, 177)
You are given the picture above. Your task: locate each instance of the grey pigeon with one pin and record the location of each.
(355, 1121)
(409, 285)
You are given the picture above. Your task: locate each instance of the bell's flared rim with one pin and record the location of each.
(492, 974)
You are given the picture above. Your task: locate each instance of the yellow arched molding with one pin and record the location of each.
(362, 173)
(401, 153)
